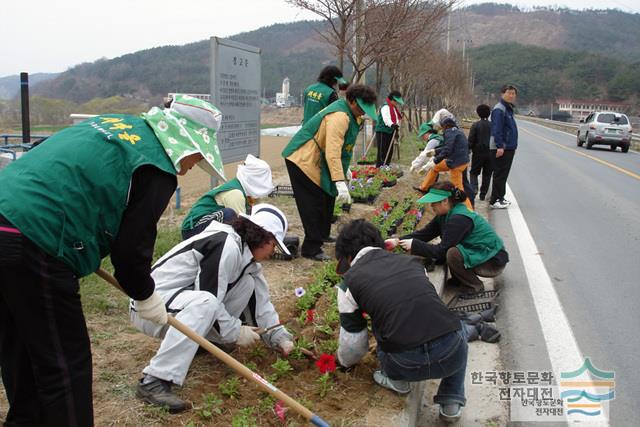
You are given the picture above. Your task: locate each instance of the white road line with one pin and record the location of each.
(562, 347)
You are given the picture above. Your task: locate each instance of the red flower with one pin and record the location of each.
(310, 315)
(413, 212)
(386, 206)
(280, 410)
(326, 363)
(354, 174)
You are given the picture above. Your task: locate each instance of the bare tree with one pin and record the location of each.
(340, 16)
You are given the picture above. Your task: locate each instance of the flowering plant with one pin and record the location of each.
(326, 363)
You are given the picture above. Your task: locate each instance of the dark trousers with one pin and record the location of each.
(384, 142)
(444, 357)
(329, 205)
(468, 188)
(468, 277)
(501, 168)
(45, 352)
(481, 163)
(312, 205)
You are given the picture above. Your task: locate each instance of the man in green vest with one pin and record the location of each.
(323, 92)
(387, 126)
(91, 190)
(224, 202)
(317, 159)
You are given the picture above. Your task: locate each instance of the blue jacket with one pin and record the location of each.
(455, 149)
(504, 132)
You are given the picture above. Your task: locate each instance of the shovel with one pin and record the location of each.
(238, 367)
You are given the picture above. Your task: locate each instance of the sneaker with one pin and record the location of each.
(482, 197)
(398, 386)
(320, 256)
(505, 202)
(498, 204)
(158, 393)
(451, 412)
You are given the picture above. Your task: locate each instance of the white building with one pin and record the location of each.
(579, 109)
(283, 99)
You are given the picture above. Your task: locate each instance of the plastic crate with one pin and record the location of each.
(282, 190)
(473, 308)
(473, 303)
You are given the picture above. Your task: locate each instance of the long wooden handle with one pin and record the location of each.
(238, 367)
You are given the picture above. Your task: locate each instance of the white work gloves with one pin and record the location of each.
(279, 337)
(152, 309)
(343, 193)
(431, 153)
(406, 244)
(247, 336)
(430, 165)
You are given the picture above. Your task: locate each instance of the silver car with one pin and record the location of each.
(605, 128)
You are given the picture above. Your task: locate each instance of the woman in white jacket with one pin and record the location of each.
(213, 283)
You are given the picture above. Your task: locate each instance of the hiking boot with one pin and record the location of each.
(398, 386)
(450, 412)
(158, 393)
(488, 332)
(482, 197)
(455, 285)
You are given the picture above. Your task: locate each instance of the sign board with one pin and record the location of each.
(235, 90)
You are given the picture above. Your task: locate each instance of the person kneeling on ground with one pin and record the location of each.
(468, 243)
(213, 283)
(394, 290)
(224, 202)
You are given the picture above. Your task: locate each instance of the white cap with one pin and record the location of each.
(255, 177)
(271, 219)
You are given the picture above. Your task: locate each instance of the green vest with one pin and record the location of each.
(68, 195)
(207, 204)
(380, 126)
(308, 132)
(437, 137)
(482, 244)
(316, 97)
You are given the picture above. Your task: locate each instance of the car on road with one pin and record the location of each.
(605, 128)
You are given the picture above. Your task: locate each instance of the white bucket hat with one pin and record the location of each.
(255, 177)
(271, 219)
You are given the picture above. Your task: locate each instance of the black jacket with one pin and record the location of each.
(404, 307)
(479, 137)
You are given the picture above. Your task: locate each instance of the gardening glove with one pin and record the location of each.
(343, 193)
(430, 165)
(406, 244)
(390, 244)
(247, 336)
(152, 309)
(431, 153)
(279, 337)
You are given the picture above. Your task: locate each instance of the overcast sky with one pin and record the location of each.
(51, 36)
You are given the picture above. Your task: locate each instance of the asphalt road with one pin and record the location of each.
(584, 215)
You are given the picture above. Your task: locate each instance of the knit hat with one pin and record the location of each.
(255, 177)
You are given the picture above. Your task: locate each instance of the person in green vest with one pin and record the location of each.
(224, 202)
(469, 244)
(433, 139)
(317, 160)
(323, 92)
(387, 127)
(91, 190)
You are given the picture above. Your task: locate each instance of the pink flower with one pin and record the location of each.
(280, 410)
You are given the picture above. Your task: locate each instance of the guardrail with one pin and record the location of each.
(570, 127)
(7, 136)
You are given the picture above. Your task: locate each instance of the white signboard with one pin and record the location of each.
(235, 90)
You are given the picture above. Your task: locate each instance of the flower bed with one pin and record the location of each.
(396, 216)
(365, 191)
